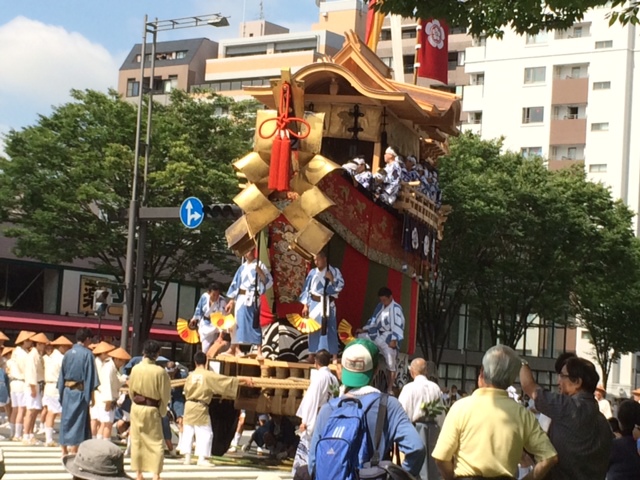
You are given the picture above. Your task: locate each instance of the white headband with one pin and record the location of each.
(391, 151)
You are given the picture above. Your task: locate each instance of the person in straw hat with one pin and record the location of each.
(51, 397)
(3, 338)
(34, 385)
(18, 399)
(150, 392)
(7, 356)
(76, 385)
(603, 403)
(4, 385)
(102, 413)
(96, 460)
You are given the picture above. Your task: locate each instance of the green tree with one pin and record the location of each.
(513, 243)
(67, 180)
(606, 297)
(493, 17)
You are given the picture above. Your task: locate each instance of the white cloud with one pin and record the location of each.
(41, 63)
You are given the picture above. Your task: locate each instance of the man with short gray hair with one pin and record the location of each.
(487, 431)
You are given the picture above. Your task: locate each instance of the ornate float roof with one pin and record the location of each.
(360, 76)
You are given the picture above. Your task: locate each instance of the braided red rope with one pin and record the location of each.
(281, 147)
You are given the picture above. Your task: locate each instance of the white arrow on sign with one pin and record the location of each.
(191, 215)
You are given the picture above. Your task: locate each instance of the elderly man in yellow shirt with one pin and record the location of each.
(487, 431)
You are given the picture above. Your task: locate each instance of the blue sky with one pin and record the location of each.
(48, 47)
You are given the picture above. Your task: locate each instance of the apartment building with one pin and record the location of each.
(573, 97)
(264, 49)
(178, 64)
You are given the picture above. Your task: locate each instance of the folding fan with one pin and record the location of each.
(304, 325)
(222, 321)
(345, 332)
(186, 332)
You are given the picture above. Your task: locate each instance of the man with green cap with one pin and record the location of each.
(359, 363)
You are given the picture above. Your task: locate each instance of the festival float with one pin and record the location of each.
(298, 200)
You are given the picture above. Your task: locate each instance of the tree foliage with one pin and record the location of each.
(67, 181)
(493, 17)
(606, 298)
(519, 243)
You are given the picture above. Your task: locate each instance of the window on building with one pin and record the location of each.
(604, 44)
(475, 117)
(385, 35)
(408, 61)
(572, 153)
(531, 152)
(532, 114)
(540, 37)
(170, 83)
(572, 113)
(477, 78)
(598, 168)
(387, 61)
(457, 30)
(461, 57)
(133, 87)
(535, 74)
(453, 60)
(601, 85)
(600, 127)
(181, 54)
(409, 33)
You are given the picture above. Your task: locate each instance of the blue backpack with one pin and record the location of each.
(344, 444)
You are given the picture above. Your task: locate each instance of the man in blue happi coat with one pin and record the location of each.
(250, 279)
(321, 288)
(76, 385)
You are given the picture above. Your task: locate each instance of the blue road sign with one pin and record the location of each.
(192, 212)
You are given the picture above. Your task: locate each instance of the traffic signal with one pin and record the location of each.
(223, 210)
(101, 301)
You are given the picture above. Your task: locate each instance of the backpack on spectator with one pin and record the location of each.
(345, 444)
(344, 441)
(375, 469)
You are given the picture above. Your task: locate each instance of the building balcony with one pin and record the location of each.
(560, 163)
(569, 91)
(568, 132)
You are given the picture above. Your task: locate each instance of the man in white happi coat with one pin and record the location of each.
(422, 400)
(419, 393)
(323, 387)
(386, 329)
(251, 277)
(51, 397)
(321, 288)
(210, 302)
(17, 386)
(106, 395)
(34, 384)
(391, 181)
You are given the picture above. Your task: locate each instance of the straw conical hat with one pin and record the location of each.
(103, 347)
(23, 336)
(3, 337)
(40, 338)
(120, 353)
(92, 346)
(6, 350)
(62, 341)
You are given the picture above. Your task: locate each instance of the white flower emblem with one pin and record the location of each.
(415, 239)
(435, 34)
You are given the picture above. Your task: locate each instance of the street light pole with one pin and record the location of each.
(138, 309)
(134, 278)
(133, 205)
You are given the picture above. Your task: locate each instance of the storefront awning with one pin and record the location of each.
(65, 325)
